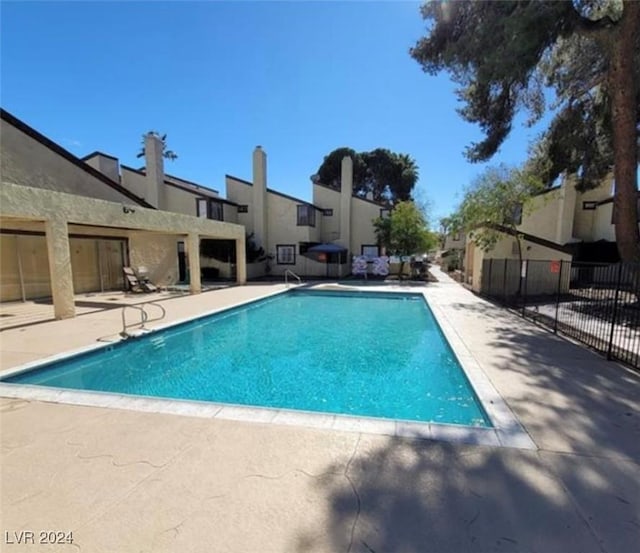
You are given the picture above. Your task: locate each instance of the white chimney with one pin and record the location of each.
(346, 191)
(154, 186)
(259, 197)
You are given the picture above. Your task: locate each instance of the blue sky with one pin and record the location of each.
(300, 79)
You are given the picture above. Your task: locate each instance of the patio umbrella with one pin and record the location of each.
(327, 248)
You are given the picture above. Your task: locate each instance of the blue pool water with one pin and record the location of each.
(368, 354)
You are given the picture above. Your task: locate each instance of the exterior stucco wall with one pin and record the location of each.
(180, 201)
(240, 193)
(328, 199)
(27, 162)
(602, 227)
(135, 182)
(158, 253)
(451, 244)
(540, 216)
(148, 229)
(230, 213)
(362, 232)
(282, 217)
(108, 166)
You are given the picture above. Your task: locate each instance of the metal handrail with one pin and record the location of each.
(144, 317)
(290, 272)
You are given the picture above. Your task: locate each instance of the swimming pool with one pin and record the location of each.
(366, 353)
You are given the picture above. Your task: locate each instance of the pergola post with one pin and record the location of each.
(241, 261)
(193, 251)
(57, 236)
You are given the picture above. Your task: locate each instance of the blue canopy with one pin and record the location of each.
(327, 248)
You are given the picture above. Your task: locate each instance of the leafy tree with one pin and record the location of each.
(404, 231)
(503, 54)
(389, 176)
(166, 153)
(496, 201)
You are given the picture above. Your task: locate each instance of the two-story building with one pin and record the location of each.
(561, 223)
(336, 222)
(68, 226)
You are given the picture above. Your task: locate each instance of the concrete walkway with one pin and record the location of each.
(128, 481)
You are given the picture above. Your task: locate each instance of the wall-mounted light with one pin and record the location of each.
(126, 209)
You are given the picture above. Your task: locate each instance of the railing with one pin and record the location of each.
(286, 277)
(595, 303)
(144, 317)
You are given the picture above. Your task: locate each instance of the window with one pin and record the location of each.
(210, 209)
(306, 216)
(216, 210)
(370, 252)
(517, 214)
(243, 209)
(201, 204)
(589, 205)
(286, 254)
(327, 212)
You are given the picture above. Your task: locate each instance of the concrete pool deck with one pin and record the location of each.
(130, 481)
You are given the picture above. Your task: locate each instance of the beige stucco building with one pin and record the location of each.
(286, 227)
(561, 224)
(69, 226)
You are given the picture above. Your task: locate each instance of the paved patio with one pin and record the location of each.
(130, 481)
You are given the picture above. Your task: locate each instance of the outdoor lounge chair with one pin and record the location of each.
(136, 283)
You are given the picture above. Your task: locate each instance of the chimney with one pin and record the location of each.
(154, 186)
(259, 198)
(346, 191)
(566, 210)
(107, 165)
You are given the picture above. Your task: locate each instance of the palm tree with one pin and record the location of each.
(167, 154)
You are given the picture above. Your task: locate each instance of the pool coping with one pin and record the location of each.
(506, 431)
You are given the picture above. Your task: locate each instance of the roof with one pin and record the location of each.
(192, 188)
(533, 239)
(277, 193)
(59, 150)
(374, 202)
(97, 153)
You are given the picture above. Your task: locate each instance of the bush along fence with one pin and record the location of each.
(594, 303)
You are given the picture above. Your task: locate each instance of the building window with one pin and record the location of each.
(216, 210)
(201, 204)
(370, 252)
(286, 254)
(306, 216)
(517, 214)
(384, 213)
(243, 209)
(589, 206)
(327, 212)
(210, 209)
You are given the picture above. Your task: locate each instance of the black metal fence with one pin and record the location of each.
(597, 304)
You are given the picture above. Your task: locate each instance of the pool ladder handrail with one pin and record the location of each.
(144, 316)
(286, 277)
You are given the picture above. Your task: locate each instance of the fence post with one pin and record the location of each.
(555, 321)
(615, 312)
(524, 269)
(504, 281)
(489, 279)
